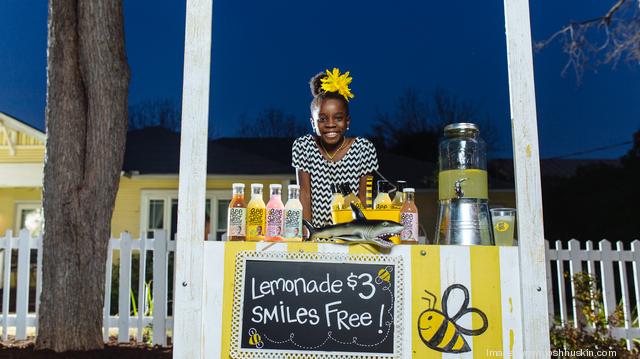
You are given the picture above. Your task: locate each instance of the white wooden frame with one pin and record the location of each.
(526, 159)
(189, 330)
(189, 288)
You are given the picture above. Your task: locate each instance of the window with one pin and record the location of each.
(29, 215)
(221, 227)
(160, 211)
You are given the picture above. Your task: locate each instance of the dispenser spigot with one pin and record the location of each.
(458, 187)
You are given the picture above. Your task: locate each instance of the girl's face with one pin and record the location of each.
(332, 121)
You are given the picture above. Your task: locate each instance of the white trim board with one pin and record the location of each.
(17, 125)
(21, 174)
(526, 159)
(189, 290)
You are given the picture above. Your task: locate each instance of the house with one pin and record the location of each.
(148, 193)
(21, 172)
(147, 198)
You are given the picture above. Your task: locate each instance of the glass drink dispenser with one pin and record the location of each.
(463, 207)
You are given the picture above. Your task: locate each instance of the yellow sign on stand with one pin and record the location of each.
(463, 300)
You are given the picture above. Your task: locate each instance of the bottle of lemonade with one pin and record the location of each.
(293, 215)
(399, 198)
(409, 218)
(237, 214)
(337, 202)
(349, 197)
(256, 214)
(382, 201)
(275, 214)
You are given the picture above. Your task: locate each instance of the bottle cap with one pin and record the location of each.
(275, 185)
(241, 185)
(461, 128)
(256, 185)
(409, 190)
(294, 186)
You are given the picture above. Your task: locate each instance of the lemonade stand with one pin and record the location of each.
(311, 300)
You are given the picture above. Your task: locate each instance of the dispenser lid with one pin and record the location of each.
(461, 126)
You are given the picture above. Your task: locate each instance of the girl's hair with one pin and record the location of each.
(319, 95)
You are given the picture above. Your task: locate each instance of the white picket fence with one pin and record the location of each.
(23, 321)
(608, 265)
(616, 273)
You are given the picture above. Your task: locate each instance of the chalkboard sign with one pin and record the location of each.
(317, 304)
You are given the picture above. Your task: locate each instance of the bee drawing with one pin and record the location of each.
(384, 275)
(254, 338)
(441, 331)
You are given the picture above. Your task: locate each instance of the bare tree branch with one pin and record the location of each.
(417, 124)
(163, 113)
(271, 122)
(607, 39)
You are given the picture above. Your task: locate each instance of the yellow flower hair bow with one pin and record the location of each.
(335, 82)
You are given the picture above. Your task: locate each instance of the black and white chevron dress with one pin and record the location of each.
(359, 160)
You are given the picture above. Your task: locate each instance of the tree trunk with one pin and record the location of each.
(86, 120)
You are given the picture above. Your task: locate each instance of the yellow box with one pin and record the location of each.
(345, 215)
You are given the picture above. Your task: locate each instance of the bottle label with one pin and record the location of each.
(255, 222)
(274, 222)
(410, 223)
(293, 223)
(383, 206)
(236, 225)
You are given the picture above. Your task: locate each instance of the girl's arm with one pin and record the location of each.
(304, 181)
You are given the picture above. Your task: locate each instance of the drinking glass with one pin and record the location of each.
(504, 220)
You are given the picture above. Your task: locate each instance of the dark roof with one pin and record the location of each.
(156, 150)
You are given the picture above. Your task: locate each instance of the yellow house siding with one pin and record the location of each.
(24, 139)
(8, 199)
(126, 215)
(24, 154)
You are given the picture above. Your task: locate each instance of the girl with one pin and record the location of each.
(327, 156)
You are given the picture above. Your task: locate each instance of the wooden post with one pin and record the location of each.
(527, 169)
(188, 324)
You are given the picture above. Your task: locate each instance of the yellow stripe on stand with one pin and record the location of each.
(362, 248)
(425, 275)
(231, 249)
(486, 293)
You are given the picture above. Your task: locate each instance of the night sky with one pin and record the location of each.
(265, 52)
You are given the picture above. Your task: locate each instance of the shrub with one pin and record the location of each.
(594, 334)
